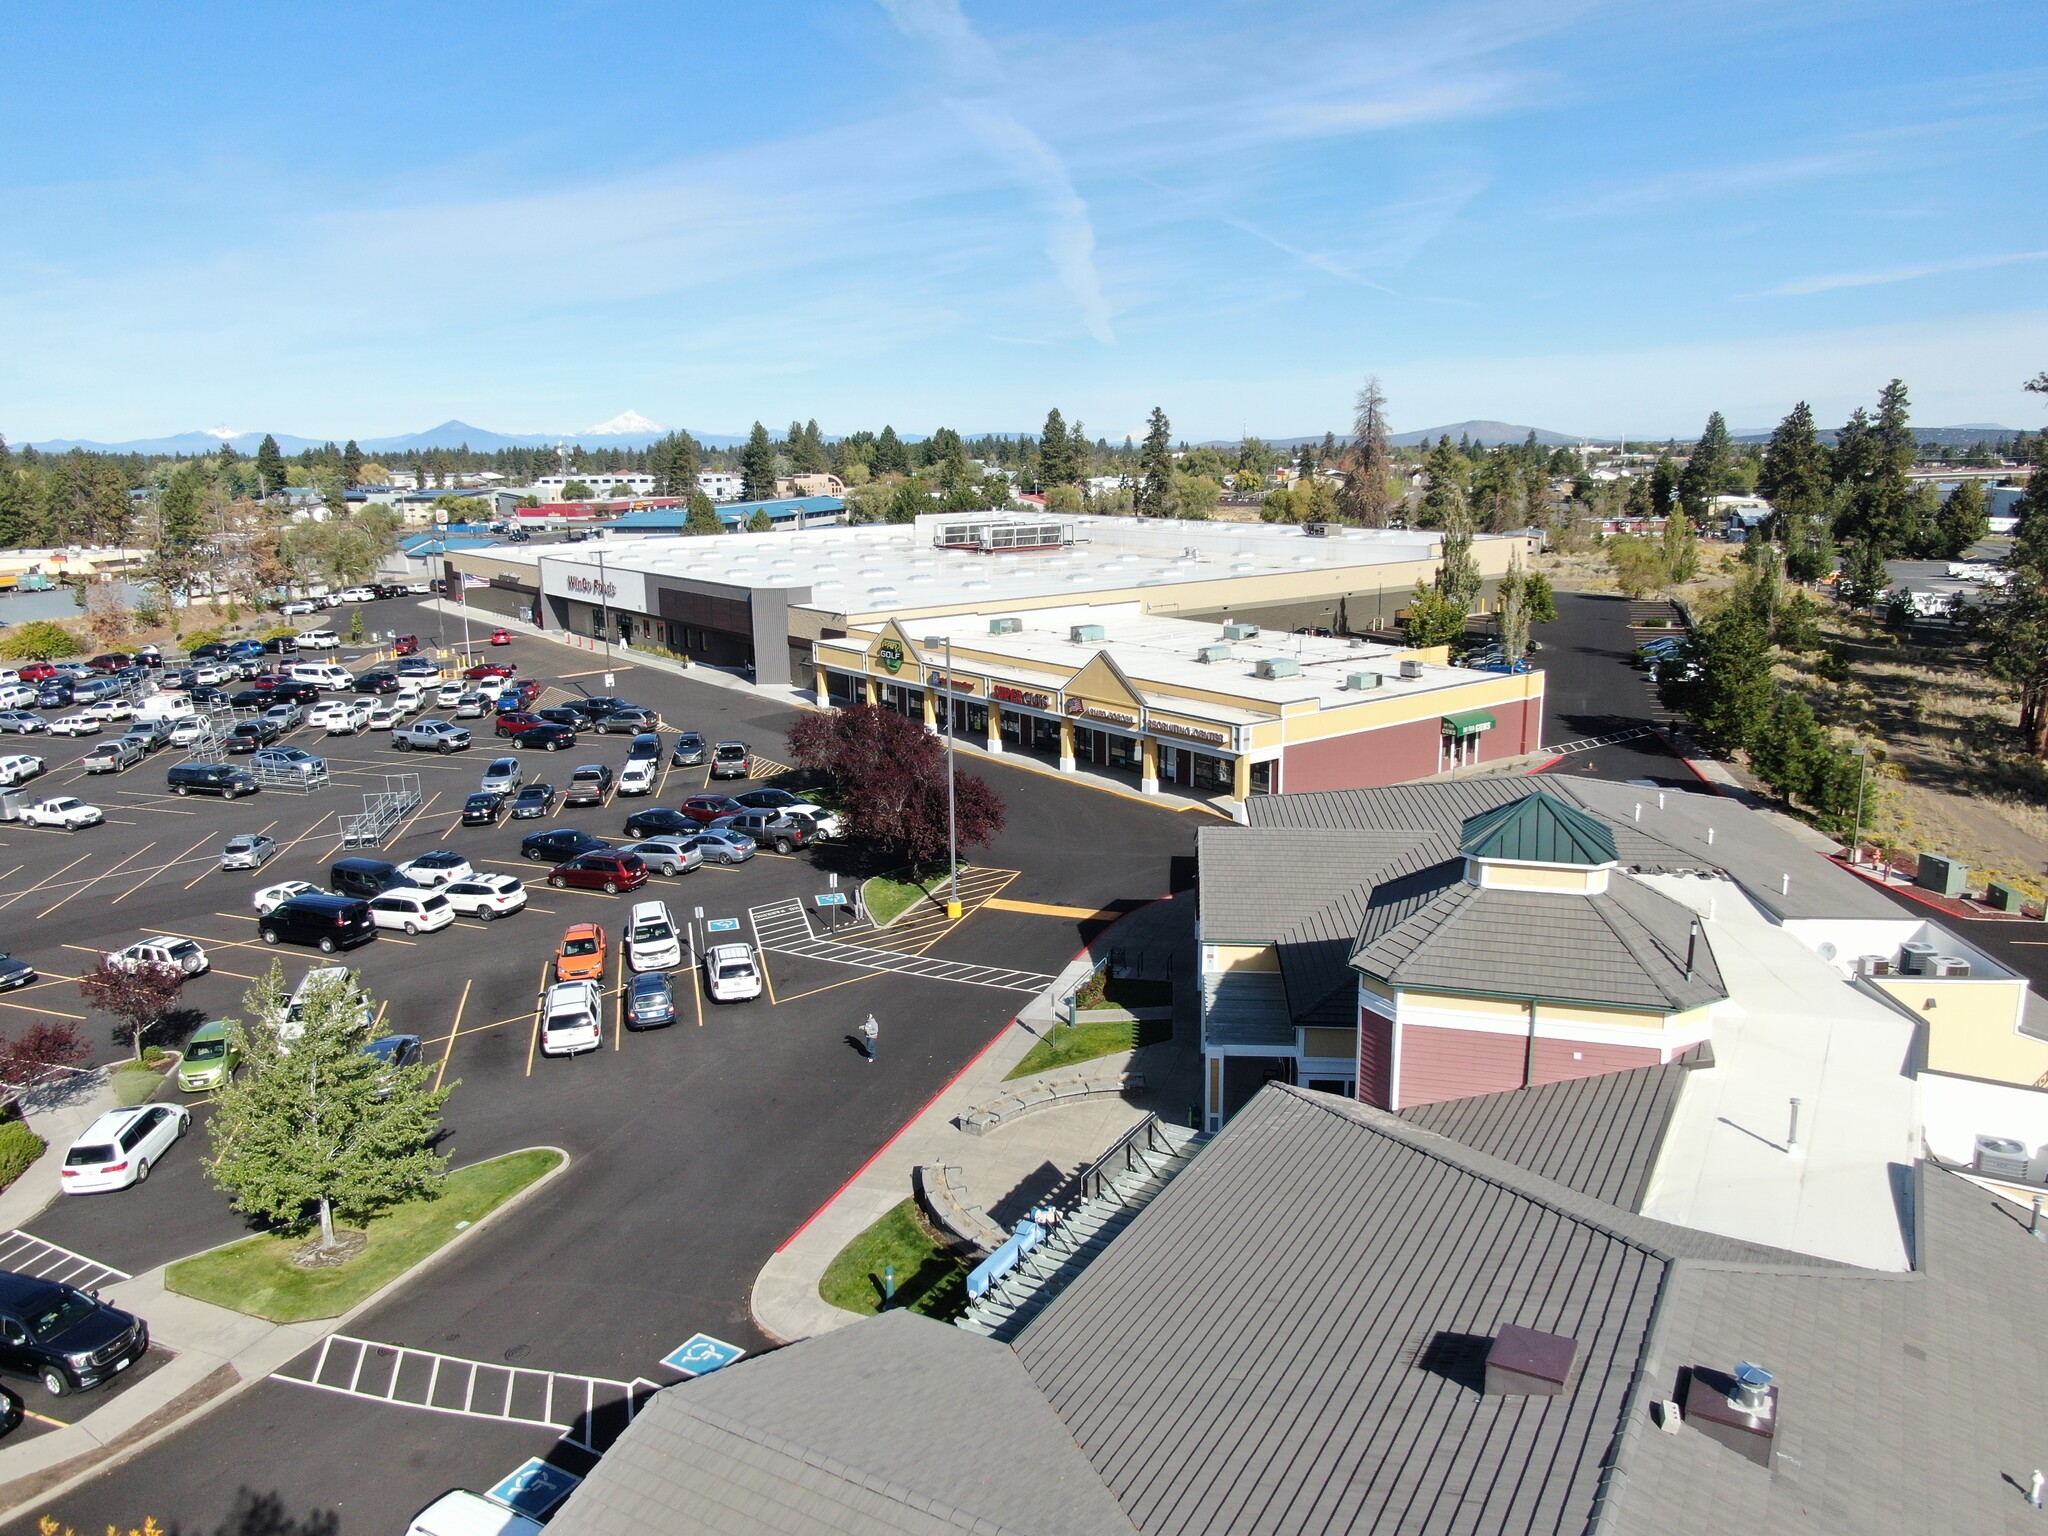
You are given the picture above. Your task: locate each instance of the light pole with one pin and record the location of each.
(952, 823)
(1856, 843)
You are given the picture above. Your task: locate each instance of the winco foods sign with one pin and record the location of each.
(580, 580)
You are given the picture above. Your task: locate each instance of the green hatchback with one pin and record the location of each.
(211, 1056)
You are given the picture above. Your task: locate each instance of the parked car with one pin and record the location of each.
(19, 722)
(604, 869)
(248, 850)
(80, 724)
(271, 897)
(560, 714)
(430, 736)
(653, 942)
(705, 809)
(221, 779)
(660, 821)
(436, 868)
(583, 954)
(448, 695)
(112, 756)
(572, 1019)
(15, 972)
(527, 689)
(209, 1058)
(588, 785)
(19, 768)
(161, 949)
(66, 1338)
(784, 801)
(148, 734)
(650, 1002)
(666, 855)
(488, 669)
(393, 1054)
(626, 722)
(597, 706)
(731, 760)
(639, 776)
(731, 973)
(285, 714)
(64, 811)
(405, 645)
(534, 800)
(290, 760)
(772, 829)
(482, 809)
(558, 843)
(328, 922)
(411, 911)
(472, 706)
(296, 607)
(486, 896)
(545, 737)
(378, 680)
(318, 640)
(646, 745)
(723, 847)
(248, 735)
(118, 1149)
(515, 722)
(188, 731)
(419, 667)
(349, 717)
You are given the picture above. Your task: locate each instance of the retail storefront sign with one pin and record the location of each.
(1027, 698)
(971, 685)
(1187, 730)
(890, 655)
(1082, 709)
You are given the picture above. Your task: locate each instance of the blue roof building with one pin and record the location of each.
(787, 512)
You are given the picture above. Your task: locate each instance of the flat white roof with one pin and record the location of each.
(878, 568)
(1160, 649)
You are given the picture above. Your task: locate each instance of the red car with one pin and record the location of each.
(516, 722)
(406, 645)
(37, 672)
(489, 669)
(500, 637)
(708, 808)
(604, 870)
(112, 661)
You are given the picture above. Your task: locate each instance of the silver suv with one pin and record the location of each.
(502, 777)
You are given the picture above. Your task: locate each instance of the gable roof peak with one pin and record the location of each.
(1539, 828)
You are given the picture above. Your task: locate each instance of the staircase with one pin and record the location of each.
(1105, 1198)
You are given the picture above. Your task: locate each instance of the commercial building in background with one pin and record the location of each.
(722, 484)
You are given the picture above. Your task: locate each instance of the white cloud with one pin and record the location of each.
(1906, 274)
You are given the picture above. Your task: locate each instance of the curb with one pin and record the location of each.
(226, 1382)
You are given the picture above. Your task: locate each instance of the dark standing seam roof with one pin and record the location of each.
(1244, 1358)
(1597, 1135)
(1257, 884)
(1540, 829)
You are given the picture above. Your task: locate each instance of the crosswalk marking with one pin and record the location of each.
(572, 1404)
(785, 928)
(23, 1253)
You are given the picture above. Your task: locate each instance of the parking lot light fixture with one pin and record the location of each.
(952, 823)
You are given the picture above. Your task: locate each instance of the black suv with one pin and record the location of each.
(67, 1338)
(598, 706)
(558, 845)
(646, 744)
(377, 681)
(547, 737)
(326, 922)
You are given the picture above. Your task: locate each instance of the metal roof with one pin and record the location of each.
(1538, 829)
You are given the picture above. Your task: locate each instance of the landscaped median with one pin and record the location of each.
(930, 1278)
(888, 897)
(259, 1276)
(1106, 1021)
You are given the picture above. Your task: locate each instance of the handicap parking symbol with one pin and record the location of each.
(534, 1488)
(701, 1354)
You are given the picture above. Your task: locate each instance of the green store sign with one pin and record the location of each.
(890, 655)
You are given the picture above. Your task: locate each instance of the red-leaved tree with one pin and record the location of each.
(890, 773)
(44, 1046)
(139, 997)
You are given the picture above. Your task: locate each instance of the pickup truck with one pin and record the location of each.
(430, 736)
(112, 756)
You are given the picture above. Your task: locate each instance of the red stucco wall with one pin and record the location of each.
(1439, 1064)
(1403, 752)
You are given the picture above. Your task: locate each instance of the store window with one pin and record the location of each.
(1211, 772)
(1265, 778)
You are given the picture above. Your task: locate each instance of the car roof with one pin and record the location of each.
(580, 928)
(211, 1029)
(742, 950)
(649, 909)
(113, 1123)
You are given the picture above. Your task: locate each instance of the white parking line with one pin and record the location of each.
(785, 928)
(25, 1254)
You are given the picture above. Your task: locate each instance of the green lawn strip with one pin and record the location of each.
(1066, 1044)
(929, 1279)
(887, 896)
(19, 1147)
(1105, 991)
(257, 1275)
(135, 1083)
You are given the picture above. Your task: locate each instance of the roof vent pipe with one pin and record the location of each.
(1710, 837)
(1752, 1392)
(1660, 799)
(1784, 885)
(1692, 939)
(1639, 810)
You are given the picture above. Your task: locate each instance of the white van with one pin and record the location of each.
(165, 707)
(293, 1023)
(462, 1513)
(322, 674)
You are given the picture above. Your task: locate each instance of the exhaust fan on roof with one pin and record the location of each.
(1411, 668)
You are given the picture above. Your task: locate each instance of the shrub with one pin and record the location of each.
(39, 640)
(19, 1146)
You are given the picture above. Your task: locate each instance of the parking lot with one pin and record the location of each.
(696, 1149)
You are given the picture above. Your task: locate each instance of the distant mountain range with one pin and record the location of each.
(628, 430)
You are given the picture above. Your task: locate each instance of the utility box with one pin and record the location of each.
(2007, 898)
(1943, 876)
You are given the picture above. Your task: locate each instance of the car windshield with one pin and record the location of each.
(205, 1050)
(65, 1310)
(582, 946)
(650, 932)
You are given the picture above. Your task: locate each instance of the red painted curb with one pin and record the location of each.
(1546, 767)
(855, 1177)
(1665, 736)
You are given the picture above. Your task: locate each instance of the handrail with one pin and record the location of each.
(1097, 1175)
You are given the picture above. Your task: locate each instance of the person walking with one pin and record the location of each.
(869, 1033)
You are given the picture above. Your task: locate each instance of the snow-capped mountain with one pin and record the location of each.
(625, 424)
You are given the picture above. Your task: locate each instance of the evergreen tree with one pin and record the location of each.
(352, 465)
(270, 470)
(1864, 577)
(1055, 454)
(1369, 497)
(760, 522)
(1662, 486)
(1305, 463)
(1444, 472)
(2018, 653)
(757, 466)
(703, 516)
(1706, 470)
(181, 528)
(1785, 754)
(316, 1125)
(1155, 460)
(890, 456)
(1794, 475)
(675, 462)
(1083, 454)
(1457, 573)
(1733, 694)
(1513, 614)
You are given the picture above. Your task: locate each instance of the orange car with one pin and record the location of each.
(582, 955)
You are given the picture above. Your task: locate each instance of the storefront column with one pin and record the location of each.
(931, 713)
(1066, 746)
(872, 690)
(822, 681)
(1148, 771)
(1241, 778)
(995, 727)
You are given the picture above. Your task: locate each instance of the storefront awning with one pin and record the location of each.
(1468, 723)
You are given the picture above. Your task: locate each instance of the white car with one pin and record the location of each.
(572, 1018)
(211, 672)
(412, 911)
(357, 594)
(187, 731)
(118, 1149)
(384, 714)
(652, 942)
(486, 897)
(19, 768)
(437, 868)
(80, 724)
(111, 709)
(299, 605)
(321, 716)
(16, 695)
(349, 716)
(730, 971)
(66, 811)
(161, 949)
(319, 640)
(271, 897)
(638, 776)
(451, 694)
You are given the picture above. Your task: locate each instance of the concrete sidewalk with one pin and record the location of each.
(1014, 1166)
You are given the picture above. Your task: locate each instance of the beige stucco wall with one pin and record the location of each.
(1973, 1028)
(1239, 957)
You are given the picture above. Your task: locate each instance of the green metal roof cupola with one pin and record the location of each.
(1539, 828)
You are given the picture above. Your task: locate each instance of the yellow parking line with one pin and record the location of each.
(1047, 909)
(761, 959)
(829, 986)
(29, 1008)
(539, 1001)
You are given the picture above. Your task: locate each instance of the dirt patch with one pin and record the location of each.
(348, 1243)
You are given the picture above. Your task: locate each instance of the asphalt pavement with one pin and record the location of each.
(1592, 689)
(696, 1149)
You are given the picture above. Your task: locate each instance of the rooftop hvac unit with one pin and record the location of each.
(1086, 634)
(1950, 965)
(2000, 1157)
(1316, 530)
(1917, 958)
(1362, 682)
(1005, 626)
(1240, 631)
(1411, 668)
(1277, 666)
(1873, 965)
(1213, 653)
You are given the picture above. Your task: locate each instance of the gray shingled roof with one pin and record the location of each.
(896, 1424)
(1257, 884)
(1597, 1135)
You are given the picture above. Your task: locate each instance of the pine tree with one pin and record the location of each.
(1369, 497)
(757, 466)
(270, 470)
(1055, 453)
(760, 522)
(1457, 573)
(1155, 460)
(1794, 474)
(2018, 653)
(890, 458)
(315, 1125)
(1706, 470)
(1662, 487)
(703, 516)
(1864, 577)
(352, 465)
(1444, 472)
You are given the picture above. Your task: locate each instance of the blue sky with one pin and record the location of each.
(365, 219)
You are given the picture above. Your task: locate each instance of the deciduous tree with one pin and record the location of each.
(1433, 617)
(890, 774)
(140, 997)
(39, 640)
